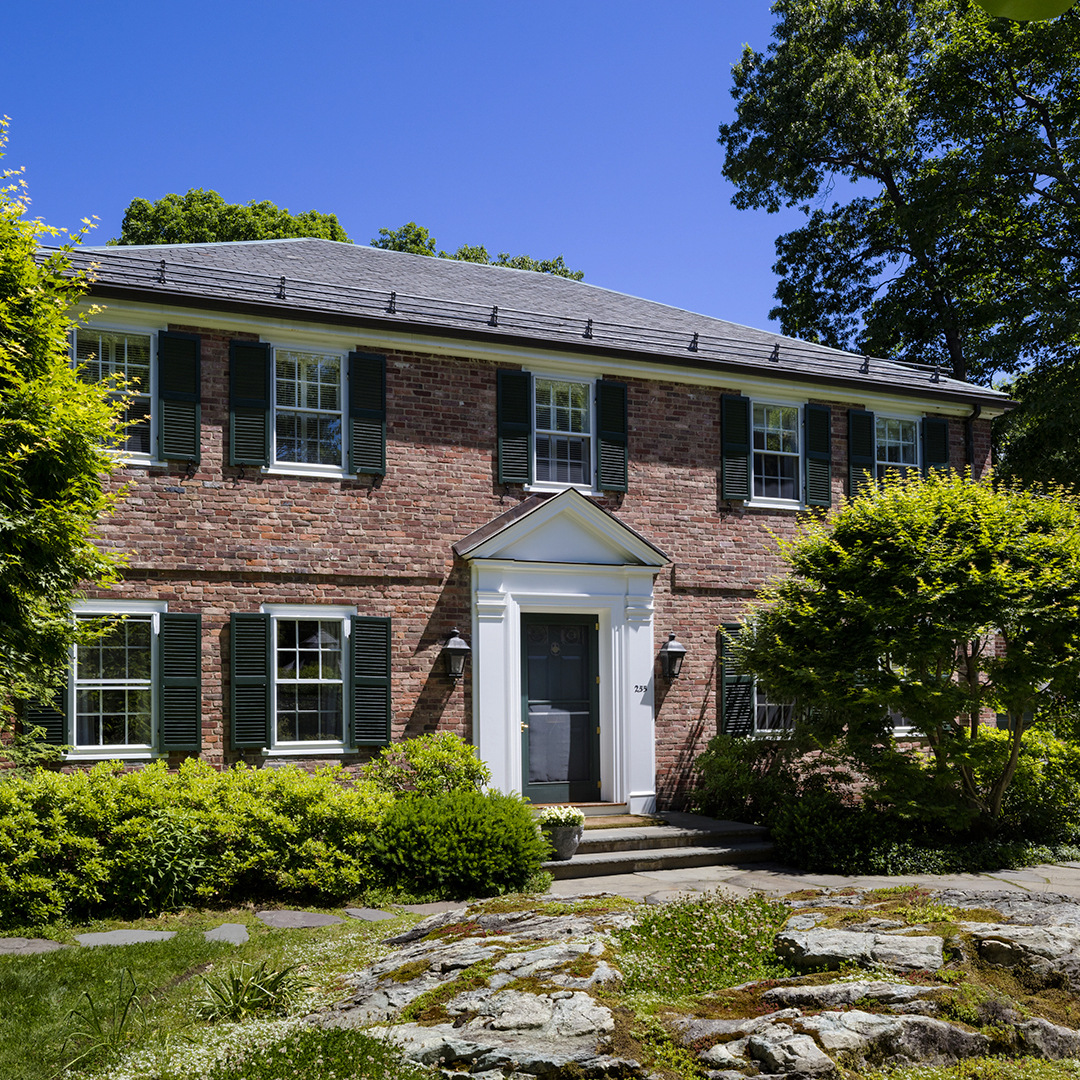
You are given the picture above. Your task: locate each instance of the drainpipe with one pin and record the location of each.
(969, 437)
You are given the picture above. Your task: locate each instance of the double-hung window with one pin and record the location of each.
(775, 453)
(162, 388)
(309, 679)
(880, 445)
(306, 411)
(896, 445)
(559, 432)
(745, 708)
(132, 691)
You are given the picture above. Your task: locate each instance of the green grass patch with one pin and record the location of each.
(985, 1068)
(700, 944)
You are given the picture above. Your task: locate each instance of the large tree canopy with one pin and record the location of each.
(958, 242)
(204, 217)
(416, 240)
(932, 598)
(55, 431)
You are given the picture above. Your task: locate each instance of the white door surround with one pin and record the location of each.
(566, 555)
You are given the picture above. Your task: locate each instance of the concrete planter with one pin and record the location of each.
(564, 839)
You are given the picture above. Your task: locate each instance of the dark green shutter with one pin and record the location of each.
(735, 447)
(249, 403)
(736, 688)
(862, 450)
(180, 682)
(367, 413)
(612, 428)
(817, 423)
(935, 436)
(514, 412)
(50, 715)
(370, 689)
(179, 388)
(249, 691)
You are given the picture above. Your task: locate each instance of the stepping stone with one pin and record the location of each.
(233, 933)
(24, 946)
(124, 937)
(295, 920)
(436, 908)
(369, 914)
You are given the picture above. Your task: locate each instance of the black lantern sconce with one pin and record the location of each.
(671, 657)
(455, 650)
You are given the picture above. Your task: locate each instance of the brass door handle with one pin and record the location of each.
(524, 727)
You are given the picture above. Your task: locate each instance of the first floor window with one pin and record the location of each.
(114, 685)
(563, 412)
(103, 353)
(776, 451)
(772, 716)
(309, 680)
(897, 445)
(308, 407)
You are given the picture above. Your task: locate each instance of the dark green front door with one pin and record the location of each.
(560, 730)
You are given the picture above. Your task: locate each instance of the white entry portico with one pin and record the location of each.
(566, 556)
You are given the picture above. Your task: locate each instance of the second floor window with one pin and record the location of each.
(897, 445)
(563, 431)
(101, 353)
(776, 451)
(308, 407)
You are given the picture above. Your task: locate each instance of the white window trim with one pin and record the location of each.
(554, 485)
(127, 457)
(118, 752)
(314, 747)
(762, 502)
(917, 419)
(300, 468)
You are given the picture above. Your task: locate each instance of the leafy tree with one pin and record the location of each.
(1025, 10)
(935, 598)
(416, 240)
(958, 242)
(55, 431)
(204, 217)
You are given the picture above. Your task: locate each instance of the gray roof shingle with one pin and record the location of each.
(376, 287)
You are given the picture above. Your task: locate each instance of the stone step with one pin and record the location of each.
(605, 863)
(645, 837)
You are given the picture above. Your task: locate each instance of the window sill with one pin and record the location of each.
(140, 463)
(549, 488)
(308, 750)
(280, 470)
(774, 504)
(135, 754)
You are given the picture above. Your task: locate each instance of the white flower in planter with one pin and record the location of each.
(558, 816)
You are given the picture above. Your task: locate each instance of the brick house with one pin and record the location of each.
(339, 455)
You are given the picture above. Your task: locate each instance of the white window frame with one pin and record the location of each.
(800, 459)
(881, 467)
(316, 612)
(303, 468)
(129, 457)
(117, 751)
(771, 733)
(589, 488)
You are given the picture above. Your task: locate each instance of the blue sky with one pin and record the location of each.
(586, 128)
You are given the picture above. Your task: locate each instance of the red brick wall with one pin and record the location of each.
(231, 539)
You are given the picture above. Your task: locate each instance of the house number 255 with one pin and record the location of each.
(640, 689)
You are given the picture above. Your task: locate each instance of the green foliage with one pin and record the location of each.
(247, 989)
(744, 779)
(414, 239)
(428, 765)
(935, 598)
(204, 217)
(108, 841)
(957, 244)
(107, 1028)
(698, 944)
(55, 435)
(341, 1053)
(460, 844)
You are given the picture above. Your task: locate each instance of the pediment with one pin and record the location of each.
(566, 528)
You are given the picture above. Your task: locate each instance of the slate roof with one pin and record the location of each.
(339, 282)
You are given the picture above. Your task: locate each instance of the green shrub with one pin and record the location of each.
(744, 779)
(460, 844)
(428, 765)
(107, 841)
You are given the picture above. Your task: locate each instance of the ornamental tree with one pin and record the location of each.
(55, 435)
(934, 598)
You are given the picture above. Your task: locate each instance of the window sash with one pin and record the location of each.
(562, 432)
(102, 353)
(897, 445)
(309, 680)
(309, 395)
(114, 709)
(772, 716)
(776, 451)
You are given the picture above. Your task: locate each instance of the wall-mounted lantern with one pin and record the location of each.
(455, 651)
(671, 657)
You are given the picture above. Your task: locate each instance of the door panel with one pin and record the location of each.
(560, 708)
